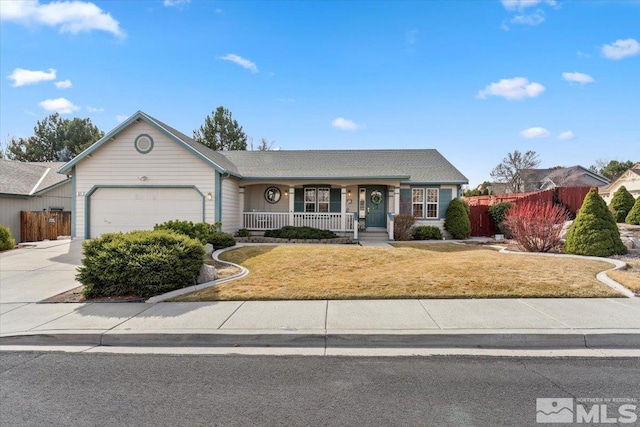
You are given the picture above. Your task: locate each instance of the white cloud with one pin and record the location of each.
(344, 124)
(515, 88)
(578, 77)
(67, 16)
(523, 4)
(59, 105)
(95, 109)
(566, 136)
(535, 132)
(621, 49)
(532, 19)
(219, 11)
(176, 3)
(244, 63)
(120, 118)
(22, 77)
(63, 84)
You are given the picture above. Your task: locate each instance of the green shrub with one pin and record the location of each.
(205, 233)
(594, 231)
(221, 240)
(457, 221)
(402, 227)
(290, 232)
(497, 213)
(143, 263)
(243, 232)
(634, 214)
(427, 232)
(6, 241)
(621, 204)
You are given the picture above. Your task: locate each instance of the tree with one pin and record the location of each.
(508, 170)
(634, 214)
(612, 169)
(263, 145)
(457, 221)
(54, 139)
(621, 203)
(594, 231)
(221, 132)
(480, 190)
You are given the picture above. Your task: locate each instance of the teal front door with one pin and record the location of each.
(376, 202)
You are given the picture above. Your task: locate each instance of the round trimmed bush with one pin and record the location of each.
(142, 263)
(427, 232)
(6, 241)
(457, 221)
(594, 231)
(621, 204)
(634, 214)
(204, 232)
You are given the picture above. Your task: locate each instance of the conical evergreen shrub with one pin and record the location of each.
(621, 204)
(633, 217)
(457, 220)
(594, 231)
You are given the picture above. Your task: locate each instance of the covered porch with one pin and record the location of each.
(346, 208)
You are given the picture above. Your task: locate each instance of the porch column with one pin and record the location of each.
(343, 209)
(396, 210)
(292, 201)
(241, 204)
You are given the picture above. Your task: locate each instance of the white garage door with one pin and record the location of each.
(127, 209)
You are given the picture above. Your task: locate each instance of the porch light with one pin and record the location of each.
(209, 196)
(286, 193)
(349, 193)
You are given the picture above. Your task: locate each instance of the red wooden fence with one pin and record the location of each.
(482, 224)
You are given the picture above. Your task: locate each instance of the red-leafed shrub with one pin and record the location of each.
(536, 226)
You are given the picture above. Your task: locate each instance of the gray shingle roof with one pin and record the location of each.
(423, 166)
(23, 178)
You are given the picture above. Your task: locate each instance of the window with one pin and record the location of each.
(309, 199)
(317, 199)
(323, 199)
(417, 201)
(424, 202)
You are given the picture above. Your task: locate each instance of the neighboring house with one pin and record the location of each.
(529, 180)
(30, 186)
(144, 172)
(630, 179)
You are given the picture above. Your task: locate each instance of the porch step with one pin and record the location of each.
(378, 236)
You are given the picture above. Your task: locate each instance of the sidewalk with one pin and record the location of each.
(492, 324)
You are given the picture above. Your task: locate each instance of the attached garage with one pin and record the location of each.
(114, 209)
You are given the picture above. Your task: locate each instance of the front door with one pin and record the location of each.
(376, 202)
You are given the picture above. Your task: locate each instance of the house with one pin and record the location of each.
(31, 186)
(145, 172)
(529, 180)
(630, 179)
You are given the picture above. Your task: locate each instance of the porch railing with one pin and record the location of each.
(259, 221)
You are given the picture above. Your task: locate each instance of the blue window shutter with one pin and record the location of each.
(405, 201)
(445, 199)
(334, 200)
(298, 200)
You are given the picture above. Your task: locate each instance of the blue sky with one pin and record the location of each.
(473, 79)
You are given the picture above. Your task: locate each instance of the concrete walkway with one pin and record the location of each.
(31, 275)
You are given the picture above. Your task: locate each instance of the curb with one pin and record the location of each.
(508, 341)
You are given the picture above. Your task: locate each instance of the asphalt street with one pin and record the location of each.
(56, 389)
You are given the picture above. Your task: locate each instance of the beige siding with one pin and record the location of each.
(230, 205)
(255, 201)
(10, 207)
(118, 163)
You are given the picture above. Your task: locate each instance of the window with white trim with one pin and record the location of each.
(424, 202)
(317, 199)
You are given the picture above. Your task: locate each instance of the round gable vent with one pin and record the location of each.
(143, 143)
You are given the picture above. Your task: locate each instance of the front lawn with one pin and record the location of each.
(629, 277)
(442, 270)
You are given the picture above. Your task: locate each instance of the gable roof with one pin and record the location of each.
(213, 158)
(629, 173)
(415, 166)
(29, 178)
(573, 176)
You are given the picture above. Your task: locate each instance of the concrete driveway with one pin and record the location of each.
(38, 271)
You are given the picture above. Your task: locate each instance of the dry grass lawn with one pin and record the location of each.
(630, 277)
(407, 271)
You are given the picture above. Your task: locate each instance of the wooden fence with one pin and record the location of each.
(482, 224)
(37, 226)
